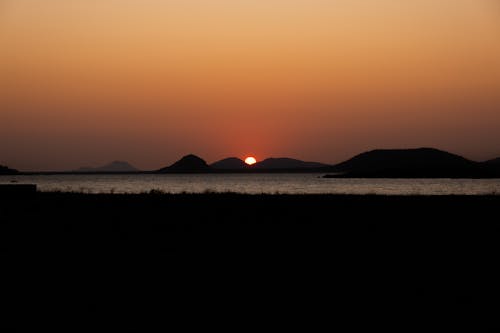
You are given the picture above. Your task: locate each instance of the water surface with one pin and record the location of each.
(254, 184)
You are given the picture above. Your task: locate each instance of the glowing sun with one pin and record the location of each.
(250, 160)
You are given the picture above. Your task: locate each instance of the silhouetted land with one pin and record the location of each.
(269, 164)
(195, 164)
(414, 163)
(7, 171)
(23, 190)
(495, 161)
(365, 260)
(380, 163)
(188, 164)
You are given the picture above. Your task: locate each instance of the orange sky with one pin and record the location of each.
(84, 82)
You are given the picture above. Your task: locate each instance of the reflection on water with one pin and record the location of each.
(255, 183)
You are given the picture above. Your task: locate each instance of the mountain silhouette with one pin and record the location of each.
(492, 167)
(7, 171)
(231, 163)
(421, 162)
(188, 164)
(287, 163)
(116, 166)
(495, 161)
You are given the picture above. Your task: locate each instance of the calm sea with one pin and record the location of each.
(254, 183)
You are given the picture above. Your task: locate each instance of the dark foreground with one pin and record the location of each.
(302, 261)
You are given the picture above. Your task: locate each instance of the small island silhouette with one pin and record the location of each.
(188, 164)
(413, 163)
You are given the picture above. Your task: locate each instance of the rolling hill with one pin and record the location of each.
(413, 163)
(188, 164)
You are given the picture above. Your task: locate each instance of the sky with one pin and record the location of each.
(86, 82)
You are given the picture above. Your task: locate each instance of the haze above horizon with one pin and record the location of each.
(84, 82)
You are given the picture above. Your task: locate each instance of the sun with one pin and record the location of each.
(250, 160)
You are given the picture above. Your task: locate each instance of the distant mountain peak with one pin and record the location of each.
(410, 157)
(406, 162)
(189, 163)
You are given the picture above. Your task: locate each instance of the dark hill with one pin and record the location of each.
(116, 166)
(231, 163)
(495, 161)
(7, 171)
(422, 162)
(492, 167)
(188, 164)
(287, 163)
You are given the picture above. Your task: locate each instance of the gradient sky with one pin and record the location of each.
(84, 82)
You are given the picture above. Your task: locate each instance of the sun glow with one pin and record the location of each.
(250, 160)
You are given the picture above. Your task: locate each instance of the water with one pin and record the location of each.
(254, 184)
